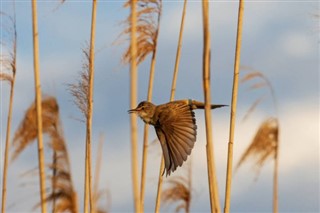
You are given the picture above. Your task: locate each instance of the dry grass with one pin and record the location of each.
(63, 195)
(260, 81)
(80, 89)
(147, 28)
(263, 146)
(179, 192)
(8, 59)
(27, 131)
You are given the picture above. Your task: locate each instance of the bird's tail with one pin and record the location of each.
(200, 105)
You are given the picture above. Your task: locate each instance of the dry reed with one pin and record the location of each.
(172, 94)
(88, 185)
(179, 191)
(149, 14)
(133, 103)
(263, 145)
(38, 101)
(63, 195)
(80, 89)
(98, 194)
(266, 142)
(213, 185)
(233, 108)
(8, 64)
(27, 131)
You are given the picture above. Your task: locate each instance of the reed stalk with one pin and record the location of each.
(133, 103)
(88, 191)
(173, 90)
(146, 135)
(6, 152)
(275, 179)
(233, 108)
(38, 105)
(146, 126)
(8, 132)
(213, 186)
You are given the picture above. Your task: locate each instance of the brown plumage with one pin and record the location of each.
(176, 128)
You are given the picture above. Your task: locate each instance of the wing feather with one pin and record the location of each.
(176, 130)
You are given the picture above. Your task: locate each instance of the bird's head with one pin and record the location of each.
(145, 110)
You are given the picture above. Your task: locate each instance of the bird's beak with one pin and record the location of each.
(133, 110)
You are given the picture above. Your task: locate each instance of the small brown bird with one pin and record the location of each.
(176, 128)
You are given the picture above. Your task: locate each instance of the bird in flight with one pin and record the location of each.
(175, 126)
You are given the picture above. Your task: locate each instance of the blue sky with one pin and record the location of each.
(280, 39)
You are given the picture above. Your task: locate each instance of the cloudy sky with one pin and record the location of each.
(280, 39)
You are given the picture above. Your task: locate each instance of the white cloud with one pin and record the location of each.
(296, 44)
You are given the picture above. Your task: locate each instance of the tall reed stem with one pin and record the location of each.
(6, 152)
(173, 90)
(88, 185)
(146, 131)
(275, 180)
(213, 186)
(133, 103)
(7, 146)
(233, 108)
(38, 105)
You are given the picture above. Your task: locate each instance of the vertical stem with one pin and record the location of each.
(38, 105)
(173, 90)
(133, 103)
(97, 172)
(233, 108)
(6, 152)
(275, 180)
(54, 179)
(88, 187)
(146, 126)
(213, 186)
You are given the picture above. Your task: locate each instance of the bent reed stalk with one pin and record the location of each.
(13, 66)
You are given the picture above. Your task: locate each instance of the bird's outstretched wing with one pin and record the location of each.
(176, 130)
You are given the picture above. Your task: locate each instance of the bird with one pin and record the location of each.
(175, 126)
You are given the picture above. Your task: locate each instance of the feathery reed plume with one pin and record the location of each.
(264, 144)
(179, 191)
(173, 90)
(38, 101)
(266, 141)
(8, 64)
(213, 185)
(259, 76)
(147, 28)
(83, 93)
(27, 131)
(63, 195)
(79, 90)
(233, 108)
